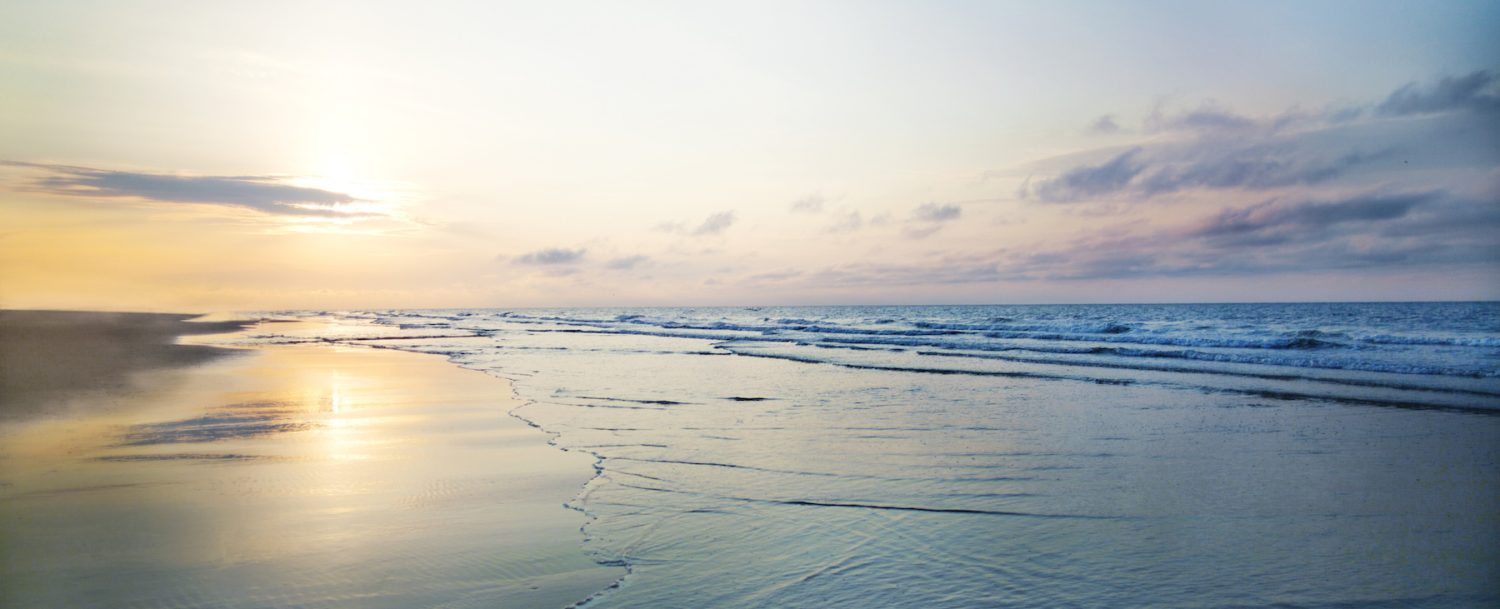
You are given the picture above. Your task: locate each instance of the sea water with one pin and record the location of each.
(1250, 455)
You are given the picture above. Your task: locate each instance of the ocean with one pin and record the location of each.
(1217, 455)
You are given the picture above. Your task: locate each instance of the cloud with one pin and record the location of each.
(928, 219)
(1419, 137)
(1344, 114)
(1256, 168)
(1208, 117)
(1477, 91)
(1405, 185)
(1092, 180)
(932, 212)
(846, 223)
(1217, 166)
(920, 232)
(1368, 232)
(810, 204)
(551, 256)
(626, 263)
(1104, 124)
(1312, 215)
(715, 224)
(265, 194)
(774, 276)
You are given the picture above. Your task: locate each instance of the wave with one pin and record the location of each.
(1209, 340)
(1083, 327)
(1202, 342)
(1272, 376)
(1399, 396)
(999, 328)
(1304, 362)
(1230, 342)
(1085, 333)
(1457, 341)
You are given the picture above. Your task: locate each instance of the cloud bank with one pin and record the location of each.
(1408, 183)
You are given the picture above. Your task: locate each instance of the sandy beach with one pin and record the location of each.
(51, 361)
(756, 305)
(310, 476)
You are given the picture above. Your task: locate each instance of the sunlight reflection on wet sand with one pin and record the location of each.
(302, 475)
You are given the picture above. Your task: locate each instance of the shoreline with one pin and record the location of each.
(339, 476)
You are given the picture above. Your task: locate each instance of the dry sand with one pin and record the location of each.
(298, 476)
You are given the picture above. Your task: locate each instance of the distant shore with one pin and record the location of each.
(141, 472)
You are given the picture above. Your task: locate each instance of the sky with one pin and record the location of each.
(185, 156)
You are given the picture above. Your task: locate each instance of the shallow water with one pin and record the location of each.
(1323, 455)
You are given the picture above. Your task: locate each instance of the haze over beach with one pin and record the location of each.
(814, 304)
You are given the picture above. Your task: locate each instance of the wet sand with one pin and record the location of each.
(294, 476)
(51, 361)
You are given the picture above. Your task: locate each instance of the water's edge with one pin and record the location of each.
(577, 503)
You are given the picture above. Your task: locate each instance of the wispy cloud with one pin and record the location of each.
(845, 223)
(1222, 166)
(1477, 91)
(1104, 124)
(554, 256)
(265, 194)
(774, 276)
(810, 204)
(928, 219)
(1207, 117)
(1272, 216)
(1087, 181)
(626, 263)
(713, 225)
(932, 212)
(1255, 168)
